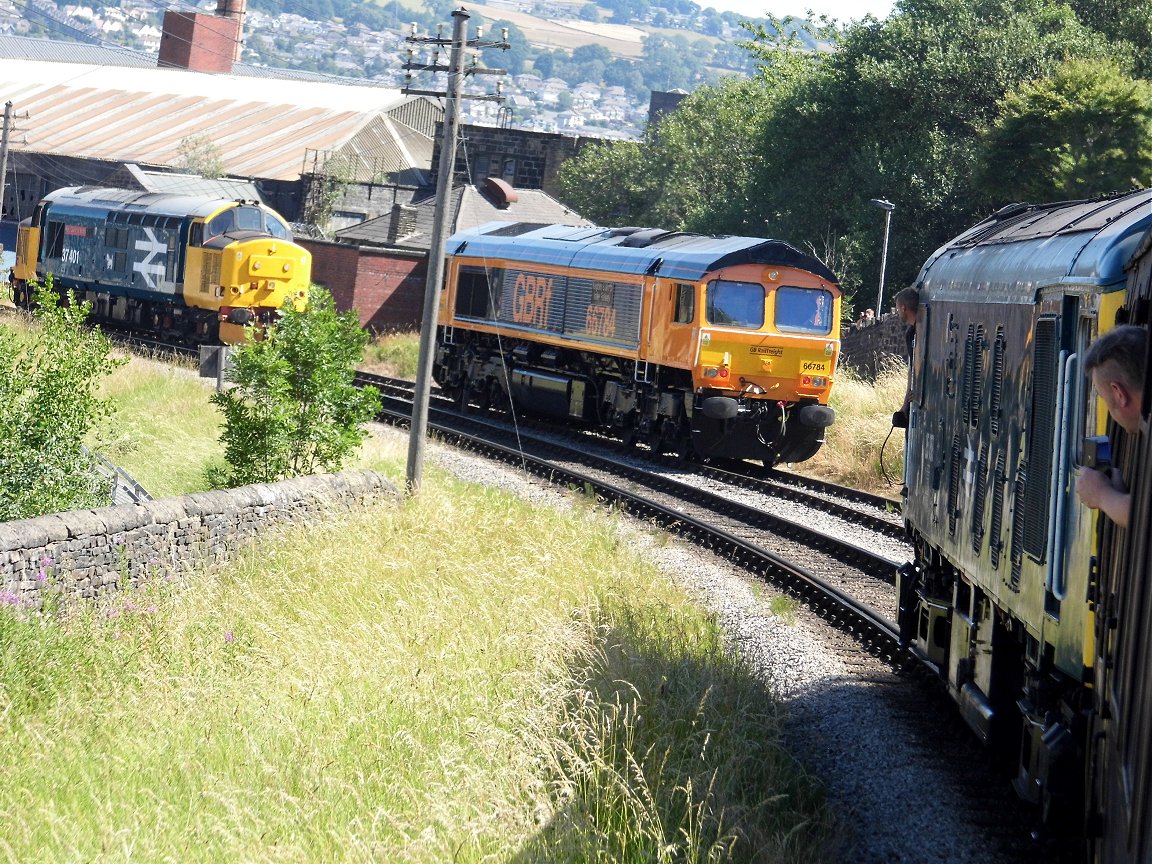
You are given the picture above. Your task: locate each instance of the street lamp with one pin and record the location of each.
(887, 206)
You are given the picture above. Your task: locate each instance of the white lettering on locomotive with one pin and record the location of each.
(146, 267)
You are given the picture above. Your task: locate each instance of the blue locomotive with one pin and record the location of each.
(1019, 597)
(198, 269)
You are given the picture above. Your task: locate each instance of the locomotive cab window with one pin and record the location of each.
(277, 228)
(249, 219)
(803, 310)
(735, 304)
(221, 223)
(685, 302)
(476, 293)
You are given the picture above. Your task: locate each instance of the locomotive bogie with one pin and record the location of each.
(712, 347)
(200, 269)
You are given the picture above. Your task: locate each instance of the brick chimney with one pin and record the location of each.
(203, 43)
(401, 222)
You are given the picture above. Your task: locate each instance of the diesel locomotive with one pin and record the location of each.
(712, 347)
(196, 269)
(1034, 609)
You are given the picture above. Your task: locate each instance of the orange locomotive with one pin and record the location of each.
(712, 347)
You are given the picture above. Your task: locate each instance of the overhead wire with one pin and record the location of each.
(492, 304)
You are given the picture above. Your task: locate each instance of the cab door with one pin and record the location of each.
(672, 325)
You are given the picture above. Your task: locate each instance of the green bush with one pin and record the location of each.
(48, 406)
(295, 409)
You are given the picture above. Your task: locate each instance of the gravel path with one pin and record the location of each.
(864, 731)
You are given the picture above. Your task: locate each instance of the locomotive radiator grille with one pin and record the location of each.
(954, 484)
(978, 502)
(1041, 434)
(995, 542)
(1018, 522)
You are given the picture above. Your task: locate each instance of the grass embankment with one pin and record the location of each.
(458, 677)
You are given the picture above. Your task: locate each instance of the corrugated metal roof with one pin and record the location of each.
(183, 184)
(263, 126)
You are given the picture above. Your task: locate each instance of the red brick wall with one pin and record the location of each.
(385, 289)
(203, 43)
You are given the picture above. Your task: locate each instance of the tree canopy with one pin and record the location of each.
(927, 109)
(1086, 130)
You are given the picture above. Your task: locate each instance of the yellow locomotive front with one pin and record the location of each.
(768, 342)
(243, 265)
(191, 268)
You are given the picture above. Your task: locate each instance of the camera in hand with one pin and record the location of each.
(1096, 452)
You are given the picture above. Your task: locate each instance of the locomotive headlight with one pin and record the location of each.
(255, 265)
(287, 267)
(711, 372)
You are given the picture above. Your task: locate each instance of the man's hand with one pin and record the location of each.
(1104, 491)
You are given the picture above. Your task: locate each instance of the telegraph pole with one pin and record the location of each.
(4, 153)
(456, 72)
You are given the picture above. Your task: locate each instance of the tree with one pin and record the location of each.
(1084, 131)
(897, 111)
(49, 406)
(294, 409)
(199, 154)
(691, 172)
(1127, 23)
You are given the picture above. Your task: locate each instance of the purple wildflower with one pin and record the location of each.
(229, 636)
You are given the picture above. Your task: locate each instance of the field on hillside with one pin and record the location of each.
(620, 39)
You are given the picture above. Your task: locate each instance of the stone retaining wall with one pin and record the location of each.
(872, 348)
(89, 553)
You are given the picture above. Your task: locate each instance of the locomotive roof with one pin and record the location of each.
(1023, 248)
(160, 203)
(671, 254)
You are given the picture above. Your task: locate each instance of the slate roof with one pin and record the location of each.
(470, 208)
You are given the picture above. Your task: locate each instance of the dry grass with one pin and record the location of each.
(390, 687)
(393, 354)
(851, 455)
